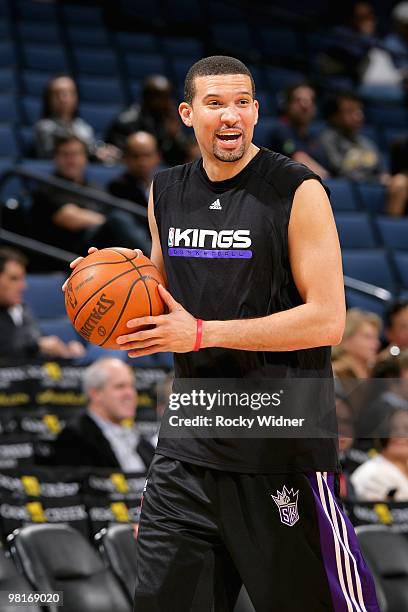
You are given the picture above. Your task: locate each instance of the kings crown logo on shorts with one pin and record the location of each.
(287, 505)
(208, 243)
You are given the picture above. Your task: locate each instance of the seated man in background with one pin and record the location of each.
(294, 136)
(352, 155)
(157, 114)
(141, 158)
(99, 438)
(73, 222)
(20, 334)
(396, 329)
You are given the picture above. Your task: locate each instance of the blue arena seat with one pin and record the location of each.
(81, 36)
(38, 32)
(100, 89)
(267, 102)
(7, 79)
(140, 66)
(387, 115)
(182, 47)
(342, 194)
(7, 54)
(99, 116)
(32, 109)
(26, 138)
(8, 112)
(61, 327)
(393, 231)
(356, 299)
(102, 175)
(401, 262)
(148, 13)
(82, 15)
(98, 62)
(231, 36)
(44, 295)
(263, 129)
(137, 41)
(222, 11)
(50, 58)
(180, 67)
(356, 231)
(372, 196)
(280, 78)
(371, 266)
(8, 142)
(36, 11)
(279, 41)
(180, 12)
(34, 82)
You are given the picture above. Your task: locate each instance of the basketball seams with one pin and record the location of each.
(141, 277)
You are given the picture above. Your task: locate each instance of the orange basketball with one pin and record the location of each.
(107, 289)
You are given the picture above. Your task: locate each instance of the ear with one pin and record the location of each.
(256, 104)
(186, 114)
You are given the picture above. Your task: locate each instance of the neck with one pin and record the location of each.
(220, 171)
(101, 414)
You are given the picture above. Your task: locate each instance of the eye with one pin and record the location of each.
(244, 102)
(213, 103)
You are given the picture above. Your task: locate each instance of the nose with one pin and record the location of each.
(230, 115)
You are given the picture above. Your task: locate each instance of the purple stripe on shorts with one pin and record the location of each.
(211, 253)
(328, 551)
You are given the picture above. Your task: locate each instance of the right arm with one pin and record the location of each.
(73, 218)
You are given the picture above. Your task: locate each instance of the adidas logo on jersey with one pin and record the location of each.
(215, 205)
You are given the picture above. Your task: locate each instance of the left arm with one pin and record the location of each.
(315, 261)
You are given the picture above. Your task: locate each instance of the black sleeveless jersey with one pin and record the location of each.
(225, 250)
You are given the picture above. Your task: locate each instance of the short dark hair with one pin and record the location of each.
(214, 65)
(332, 104)
(392, 310)
(290, 90)
(9, 254)
(64, 138)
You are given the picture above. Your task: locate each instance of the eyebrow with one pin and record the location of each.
(218, 95)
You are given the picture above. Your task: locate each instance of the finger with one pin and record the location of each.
(92, 250)
(168, 299)
(76, 261)
(141, 353)
(139, 252)
(145, 321)
(140, 336)
(64, 286)
(138, 345)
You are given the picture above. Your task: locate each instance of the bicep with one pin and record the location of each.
(314, 249)
(156, 254)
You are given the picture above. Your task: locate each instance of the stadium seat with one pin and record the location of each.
(387, 115)
(371, 266)
(372, 196)
(61, 327)
(267, 103)
(58, 558)
(7, 79)
(137, 41)
(8, 112)
(12, 581)
(357, 299)
(32, 109)
(386, 552)
(99, 89)
(182, 47)
(98, 62)
(180, 67)
(401, 262)
(117, 546)
(7, 54)
(263, 129)
(279, 41)
(82, 15)
(44, 296)
(8, 142)
(231, 36)
(356, 231)
(99, 116)
(81, 36)
(102, 175)
(342, 195)
(36, 11)
(139, 66)
(393, 231)
(38, 32)
(182, 13)
(34, 82)
(148, 13)
(49, 58)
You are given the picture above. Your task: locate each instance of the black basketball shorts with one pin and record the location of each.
(204, 532)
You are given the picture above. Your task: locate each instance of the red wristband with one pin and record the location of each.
(199, 335)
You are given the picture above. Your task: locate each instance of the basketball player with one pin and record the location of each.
(261, 295)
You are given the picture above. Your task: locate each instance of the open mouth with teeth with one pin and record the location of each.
(229, 139)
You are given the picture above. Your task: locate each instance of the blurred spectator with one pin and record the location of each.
(385, 476)
(106, 436)
(396, 328)
(356, 52)
(352, 155)
(20, 334)
(294, 136)
(345, 423)
(399, 166)
(141, 158)
(59, 115)
(157, 114)
(397, 41)
(74, 222)
(356, 354)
